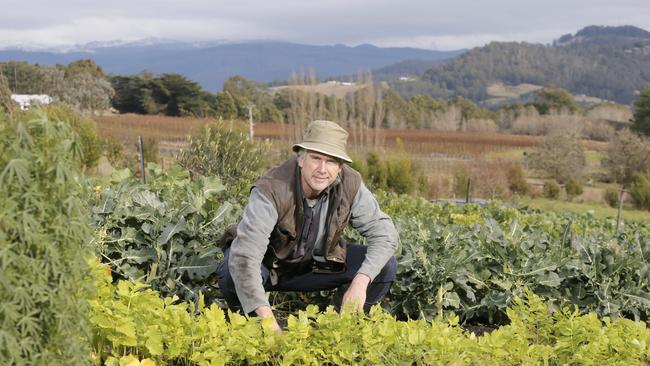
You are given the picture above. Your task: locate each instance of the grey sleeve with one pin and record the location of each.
(377, 228)
(248, 248)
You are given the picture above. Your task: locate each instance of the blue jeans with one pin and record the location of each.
(310, 281)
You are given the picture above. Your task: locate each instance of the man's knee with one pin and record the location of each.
(389, 272)
(223, 275)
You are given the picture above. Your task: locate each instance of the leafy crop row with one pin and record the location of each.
(131, 319)
(475, 260)
(469, 260)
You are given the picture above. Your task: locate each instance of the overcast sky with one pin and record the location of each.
(434, 24)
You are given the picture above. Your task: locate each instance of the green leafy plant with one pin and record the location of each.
(44, 237)
(474, 260)
(163, 233)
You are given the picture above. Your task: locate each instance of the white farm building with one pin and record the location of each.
(27, 100)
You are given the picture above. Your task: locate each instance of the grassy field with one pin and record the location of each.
(598, 210)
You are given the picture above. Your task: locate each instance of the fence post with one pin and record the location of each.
(620, 207)
(144, 179)
(469, 186)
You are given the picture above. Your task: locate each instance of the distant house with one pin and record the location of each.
(406, 78)
(27, 100)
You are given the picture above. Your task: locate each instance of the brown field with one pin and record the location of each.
(445, 147)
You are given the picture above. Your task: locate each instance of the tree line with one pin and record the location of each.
(371, 105)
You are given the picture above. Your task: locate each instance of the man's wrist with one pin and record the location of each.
(264, 312)
(361, 279)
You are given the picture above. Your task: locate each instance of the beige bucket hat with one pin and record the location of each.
(325, 137)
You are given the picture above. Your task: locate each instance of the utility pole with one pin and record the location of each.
(621, 196)
(250, 122)
(144, 179)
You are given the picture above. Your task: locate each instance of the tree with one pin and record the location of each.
(559, 157)
(185, 96)
(84, 67)
(5, 95)
(86, 87)
(641, 121)
(555, 99)
(226, 107)
(627, 154)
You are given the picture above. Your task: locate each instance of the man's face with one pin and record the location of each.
(318, 171)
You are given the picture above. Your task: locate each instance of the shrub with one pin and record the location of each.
(611, 196)
(640, 191)
(516, 180)
(551, 189)
(226, 153)
(573, 188)
(44, 234)
(461, 175)
(377, 171)
(150, 150)
(360, 165)
(397, 173)
(402, 174)
(84, 127)
(119, 158)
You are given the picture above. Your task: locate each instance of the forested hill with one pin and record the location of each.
(611, 63)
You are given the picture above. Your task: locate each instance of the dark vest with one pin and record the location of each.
(282, 186)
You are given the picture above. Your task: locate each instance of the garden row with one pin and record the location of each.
(469, 260)
(133, 325)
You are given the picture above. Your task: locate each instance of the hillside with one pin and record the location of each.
(211, 63)
(611, 63)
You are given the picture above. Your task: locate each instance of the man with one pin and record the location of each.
(289, 238)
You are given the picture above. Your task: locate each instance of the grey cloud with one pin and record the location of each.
(320, 22)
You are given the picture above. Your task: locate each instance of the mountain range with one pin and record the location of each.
(210, 63)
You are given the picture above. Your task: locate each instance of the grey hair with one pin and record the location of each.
(301, 153)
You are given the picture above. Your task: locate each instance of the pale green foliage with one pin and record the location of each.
(219, 150)
(43, 239)
(559, 157)
(130, 318)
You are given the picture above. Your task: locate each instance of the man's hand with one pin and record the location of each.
(265, 312)
(356, 293)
